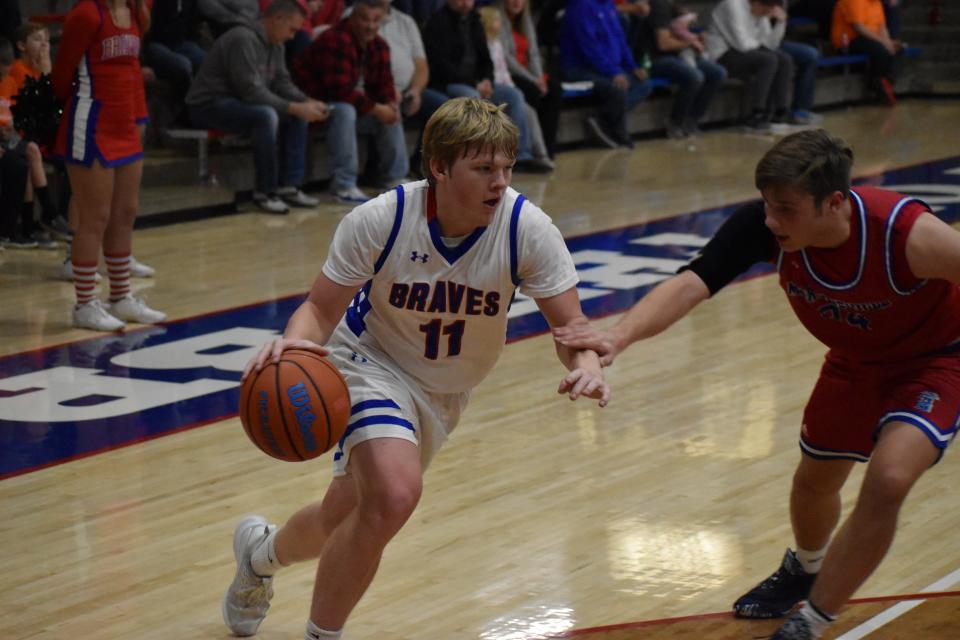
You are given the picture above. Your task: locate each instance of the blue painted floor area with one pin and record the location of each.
(74, 400)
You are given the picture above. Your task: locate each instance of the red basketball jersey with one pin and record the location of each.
(861, 299)
(97, 72)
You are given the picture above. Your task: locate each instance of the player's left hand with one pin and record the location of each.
(585, 382)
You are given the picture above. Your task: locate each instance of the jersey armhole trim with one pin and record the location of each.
(888, 247)
(514, 231)
(397, 221)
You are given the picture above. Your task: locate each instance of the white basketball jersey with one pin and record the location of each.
(438, 312)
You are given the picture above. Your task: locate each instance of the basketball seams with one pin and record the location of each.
(323, 403)
(283, 413)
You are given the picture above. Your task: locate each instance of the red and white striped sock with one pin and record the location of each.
(84, 281)
(118, 270)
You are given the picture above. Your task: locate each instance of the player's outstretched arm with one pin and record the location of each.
(668, 302)
(586, 374)
(311, 324)
(933, 249)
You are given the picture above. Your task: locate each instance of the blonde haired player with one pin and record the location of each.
(428, 271)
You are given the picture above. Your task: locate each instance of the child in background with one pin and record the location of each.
(492, 23)
(33, 46)
(13, 168)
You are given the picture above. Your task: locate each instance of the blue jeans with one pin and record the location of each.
(696, 87)
(266, 127)
(175, 64)
(343, 126)
(614, 103)
(805, 73)
(513, 98)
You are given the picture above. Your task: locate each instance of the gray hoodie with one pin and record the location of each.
(243, 64)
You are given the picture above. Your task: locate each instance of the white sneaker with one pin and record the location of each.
(296, 198)
(134, 309)
(350, 195)
(247, 599)
(269, 202)
(92, 315)
(140, 270)
(65, 272)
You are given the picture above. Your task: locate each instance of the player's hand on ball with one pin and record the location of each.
(584, 382)
(582, 335)
(272, 350)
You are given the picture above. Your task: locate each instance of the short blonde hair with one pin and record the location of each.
(462, 125)
(488, 15)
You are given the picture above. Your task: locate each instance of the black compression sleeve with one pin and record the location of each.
(740, 242)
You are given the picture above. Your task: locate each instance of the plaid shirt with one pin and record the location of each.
(331, 67)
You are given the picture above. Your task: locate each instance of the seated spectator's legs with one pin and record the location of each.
(170, 66)
(689, 82)
(342, 143)
(547, 106)
(881, 60)
(713, 77)
(260, 122)
(891, 13)
(193, 52)
(393, 163)
(779, 100)
(294, 134)
(14, 177)
(612, 101)
(456, 90)
(516, 109)
(757, 68)
(805, 63)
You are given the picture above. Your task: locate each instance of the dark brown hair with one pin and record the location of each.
(814, 162)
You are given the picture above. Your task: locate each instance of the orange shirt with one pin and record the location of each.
(869, 13)
(20, 71)
(8, 89)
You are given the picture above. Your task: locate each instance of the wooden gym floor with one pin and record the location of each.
(540, 518)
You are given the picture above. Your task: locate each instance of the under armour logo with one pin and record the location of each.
(422, 257)
(356, 357)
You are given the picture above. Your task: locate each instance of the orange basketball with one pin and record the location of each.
(296, 409)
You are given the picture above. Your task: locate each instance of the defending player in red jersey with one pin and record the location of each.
(97, 73)
(874, 275)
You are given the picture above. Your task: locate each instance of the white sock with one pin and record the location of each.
(818, 619)
(316, 633)
(264, 557)
(811, 561)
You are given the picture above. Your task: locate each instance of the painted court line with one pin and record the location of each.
(899, 609)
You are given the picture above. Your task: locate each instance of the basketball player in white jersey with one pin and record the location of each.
(428, 271)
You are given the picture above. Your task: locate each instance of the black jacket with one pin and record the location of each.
(445, 48)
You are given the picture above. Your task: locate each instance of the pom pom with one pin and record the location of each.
(37, 111)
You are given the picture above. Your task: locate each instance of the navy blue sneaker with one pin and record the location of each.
(778, 594)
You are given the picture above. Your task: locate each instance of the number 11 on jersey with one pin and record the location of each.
(434, 330)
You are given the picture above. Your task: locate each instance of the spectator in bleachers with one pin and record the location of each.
(33, 46)
(860, 27)
(744, 36)
(492, 21)
(349, 67)
(460, 66)
(633, 18)
(97, 75)
(411, 74)
(244, 87)
(541, 91)
(891, 12)
(593, 47)
(805, 59)
(223, 15)
(678, 56)
(171, 46)
(16, 224)
(321, 15)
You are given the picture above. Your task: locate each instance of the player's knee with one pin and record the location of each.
(814, 484)
(886, 489)
(388, 508)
